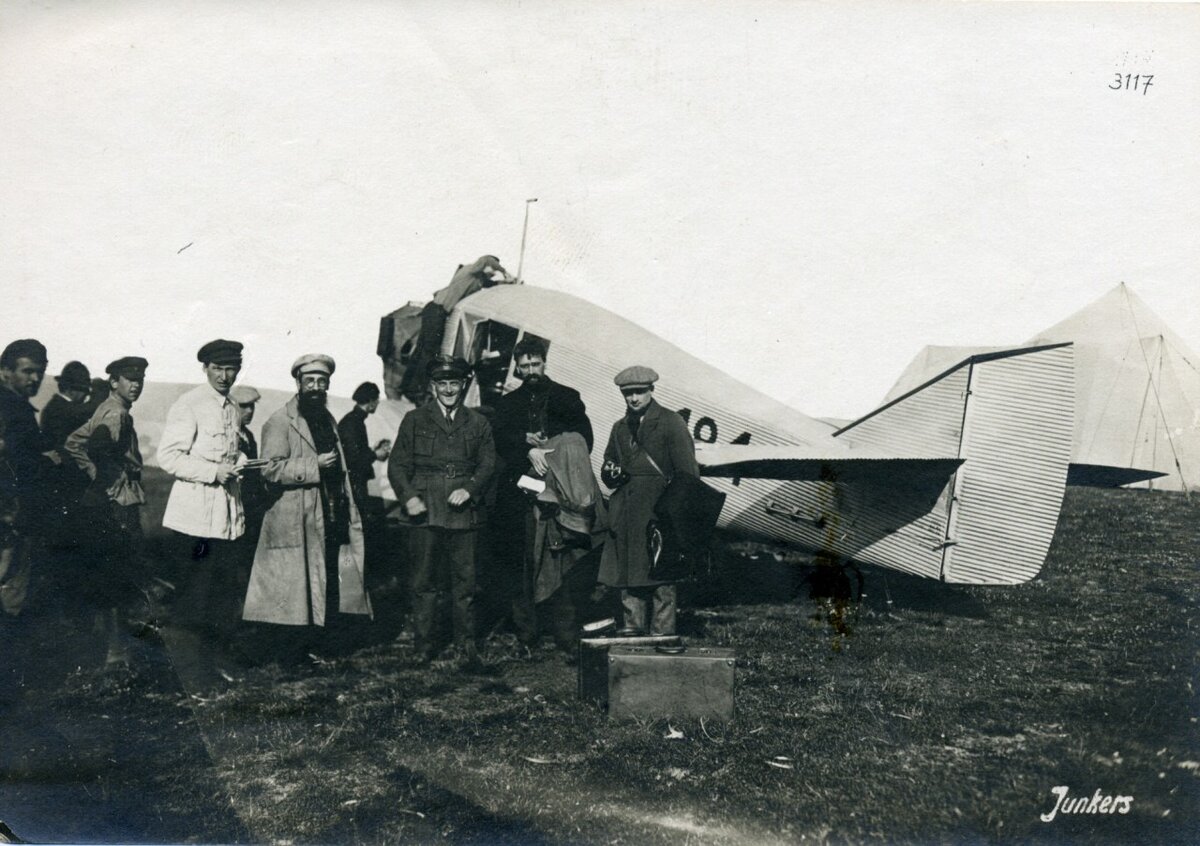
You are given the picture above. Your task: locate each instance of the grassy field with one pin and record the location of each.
(945, 714)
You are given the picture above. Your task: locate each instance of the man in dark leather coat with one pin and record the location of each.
(524, 420)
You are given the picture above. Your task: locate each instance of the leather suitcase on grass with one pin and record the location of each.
(664, 681)
(593, 662)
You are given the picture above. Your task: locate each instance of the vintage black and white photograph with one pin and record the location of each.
(527, 422)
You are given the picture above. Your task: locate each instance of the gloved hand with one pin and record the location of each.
(613, 475)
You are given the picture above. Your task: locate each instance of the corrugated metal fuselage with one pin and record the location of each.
(901, 520)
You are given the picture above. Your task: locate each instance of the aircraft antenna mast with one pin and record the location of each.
(524, 232)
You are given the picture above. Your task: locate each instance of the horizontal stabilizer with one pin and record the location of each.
(801, 464)
(1105, 476)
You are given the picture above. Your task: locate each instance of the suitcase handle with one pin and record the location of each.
(670, 649)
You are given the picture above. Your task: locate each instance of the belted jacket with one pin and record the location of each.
(433, 457)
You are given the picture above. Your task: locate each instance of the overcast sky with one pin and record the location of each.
(802, 194)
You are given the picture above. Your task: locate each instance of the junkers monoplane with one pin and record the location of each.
(960, 479)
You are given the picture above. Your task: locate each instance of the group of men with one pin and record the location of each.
(547, 512)
(70, 489)
(277, 533)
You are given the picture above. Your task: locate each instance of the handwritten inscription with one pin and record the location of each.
(1131, 82)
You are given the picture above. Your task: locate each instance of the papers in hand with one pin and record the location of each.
(528, 483)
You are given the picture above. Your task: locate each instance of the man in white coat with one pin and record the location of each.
(308, 568)
(200, 449)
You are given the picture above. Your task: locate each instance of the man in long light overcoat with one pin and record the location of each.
(646, 448)
(308, 568)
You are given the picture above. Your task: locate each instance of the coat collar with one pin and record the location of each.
(298, 422)
(207, 390)
(433, 409)
(649, 420)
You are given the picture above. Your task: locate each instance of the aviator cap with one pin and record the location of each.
(638, 376)
(221, 352)
(313, 363)
(447, 367)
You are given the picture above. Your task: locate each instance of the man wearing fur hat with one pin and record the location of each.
(308, 568)
(646, 448)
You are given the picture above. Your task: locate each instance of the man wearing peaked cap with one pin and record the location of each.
(439, 469)
(645, 449)
(106, 450)
(68, 409)
(222, 352)
(131, 367)
(199, 448)
(449, 367)
(309, 565)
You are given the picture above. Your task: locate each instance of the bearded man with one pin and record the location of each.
(524, 422)
(308, 568)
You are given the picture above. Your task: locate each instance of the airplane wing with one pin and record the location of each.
(809, 464)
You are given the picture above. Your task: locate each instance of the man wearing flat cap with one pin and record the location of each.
(646, 448)
(442, 461)
(254, 492)
(308, 568)
(199, 448)
(255, 496)
(105, 449)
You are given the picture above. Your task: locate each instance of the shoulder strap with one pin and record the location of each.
(653, 463)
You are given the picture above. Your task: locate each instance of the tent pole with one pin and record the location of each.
(524, 231)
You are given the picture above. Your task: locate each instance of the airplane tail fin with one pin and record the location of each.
(1009, 416)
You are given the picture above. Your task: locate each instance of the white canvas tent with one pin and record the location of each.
(1137, 392)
